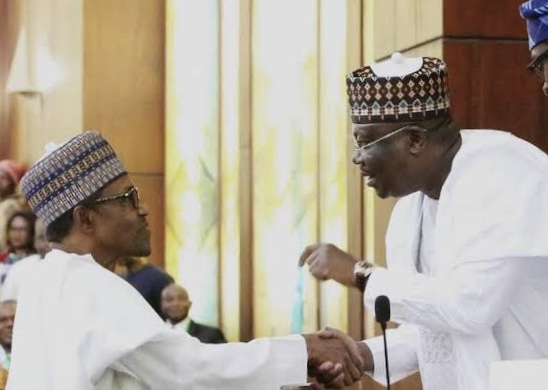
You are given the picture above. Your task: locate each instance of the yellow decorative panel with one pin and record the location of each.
(229, 167)
(285, 160)
(283, 142)
(333, 139)
(192, 151)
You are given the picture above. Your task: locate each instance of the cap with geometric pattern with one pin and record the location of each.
(69, 174)
(400, 89)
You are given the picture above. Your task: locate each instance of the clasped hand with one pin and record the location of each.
(334, 358)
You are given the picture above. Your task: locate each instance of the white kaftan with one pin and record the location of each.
(485, 293)
(17, 275)
(81, 327)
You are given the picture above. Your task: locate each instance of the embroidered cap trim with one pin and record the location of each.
(70, 174)
(420, 95)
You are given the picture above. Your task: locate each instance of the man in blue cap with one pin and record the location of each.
(535, 13)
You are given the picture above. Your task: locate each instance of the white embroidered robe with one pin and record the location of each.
(486, 297)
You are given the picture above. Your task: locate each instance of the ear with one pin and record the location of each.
(417, 141)
(83, 219)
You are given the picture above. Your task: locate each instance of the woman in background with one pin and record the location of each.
(19, 241)
(10, 201)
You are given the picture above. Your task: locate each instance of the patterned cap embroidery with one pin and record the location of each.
(68, 175)
(420, 95)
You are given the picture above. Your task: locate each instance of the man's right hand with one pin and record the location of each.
(334, 358)
(327, 370)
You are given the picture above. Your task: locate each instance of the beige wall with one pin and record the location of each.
(399, 25)
(9, 21)
(45, 81)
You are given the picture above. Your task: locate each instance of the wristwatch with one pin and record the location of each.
(362, 271)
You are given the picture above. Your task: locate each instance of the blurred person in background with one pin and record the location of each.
(19, 241)
(7, 318)
(10, 202)
(175, 308)
(148, 279)
(535, 13)
(21, 270)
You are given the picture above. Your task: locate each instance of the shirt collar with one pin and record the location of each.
(184, 324)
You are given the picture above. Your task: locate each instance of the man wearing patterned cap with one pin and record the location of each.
(535, 13)
(467, 255)
(81, 327)
(10, 174)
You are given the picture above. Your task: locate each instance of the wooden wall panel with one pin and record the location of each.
(9, 23)
(46, 76)
(479, 18)
(124, 46)
(124, 78)
(491, 88)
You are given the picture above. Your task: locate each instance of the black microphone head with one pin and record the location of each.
(382, 309)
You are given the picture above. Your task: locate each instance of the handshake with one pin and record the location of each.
(335, 359)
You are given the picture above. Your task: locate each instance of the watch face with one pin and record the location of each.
(362, 270)
(296, 387)
(362, 267)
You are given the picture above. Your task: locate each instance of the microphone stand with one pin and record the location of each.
(383, 327)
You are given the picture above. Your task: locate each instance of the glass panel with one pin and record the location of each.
(333, 146)
(230, 164)
(192, 150)
(285, 162)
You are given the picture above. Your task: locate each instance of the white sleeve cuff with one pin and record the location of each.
(389, 283)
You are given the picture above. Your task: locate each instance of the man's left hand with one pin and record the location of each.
(326, 261)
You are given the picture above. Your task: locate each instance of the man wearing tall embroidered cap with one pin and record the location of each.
(466, 247)
(535, 13)
(81, 327)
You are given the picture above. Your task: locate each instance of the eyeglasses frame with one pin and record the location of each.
(536, 66)
(397, 131)
(126, 195)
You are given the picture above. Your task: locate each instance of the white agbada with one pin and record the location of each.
(482, 292)
(17, 275)
(81, 327)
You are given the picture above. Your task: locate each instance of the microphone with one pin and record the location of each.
(382, 314)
